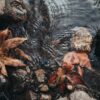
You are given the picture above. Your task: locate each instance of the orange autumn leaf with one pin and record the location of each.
(71, 58)
(68, 67)
(84, 60)
(77, 58)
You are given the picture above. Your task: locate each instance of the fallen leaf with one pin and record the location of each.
(12, 43)
(12, 62)
(8, 43)
(3, 69)
(22, 54)
(80, 59)
(4, 35)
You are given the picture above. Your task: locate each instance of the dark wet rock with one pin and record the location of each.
(21, 80)
(19, 76)
(30, 95)
(3, 96)
(26, 95)
(40, 74)
(13, 9)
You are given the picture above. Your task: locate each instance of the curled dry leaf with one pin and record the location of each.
(3, 69)
(12, 43)
(4, 35)
(22, 54)
(12, 62)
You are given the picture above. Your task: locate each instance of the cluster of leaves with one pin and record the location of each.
(80, 59)
(8, 43)
(71, 71)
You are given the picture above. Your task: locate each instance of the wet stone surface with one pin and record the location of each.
(40, 74)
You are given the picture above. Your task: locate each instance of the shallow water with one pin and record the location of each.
(62, 16)
(67, 14)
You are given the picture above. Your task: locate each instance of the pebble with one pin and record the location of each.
(45, 97)
(44, 88)
(20, 73)
(62, 98)
(2, 80)
(40, 74)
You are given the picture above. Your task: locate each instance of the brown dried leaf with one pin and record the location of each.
(3, 69)
(22, 54)
(4, 35)
(12, 43)
(12, 62)
(71, 58)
